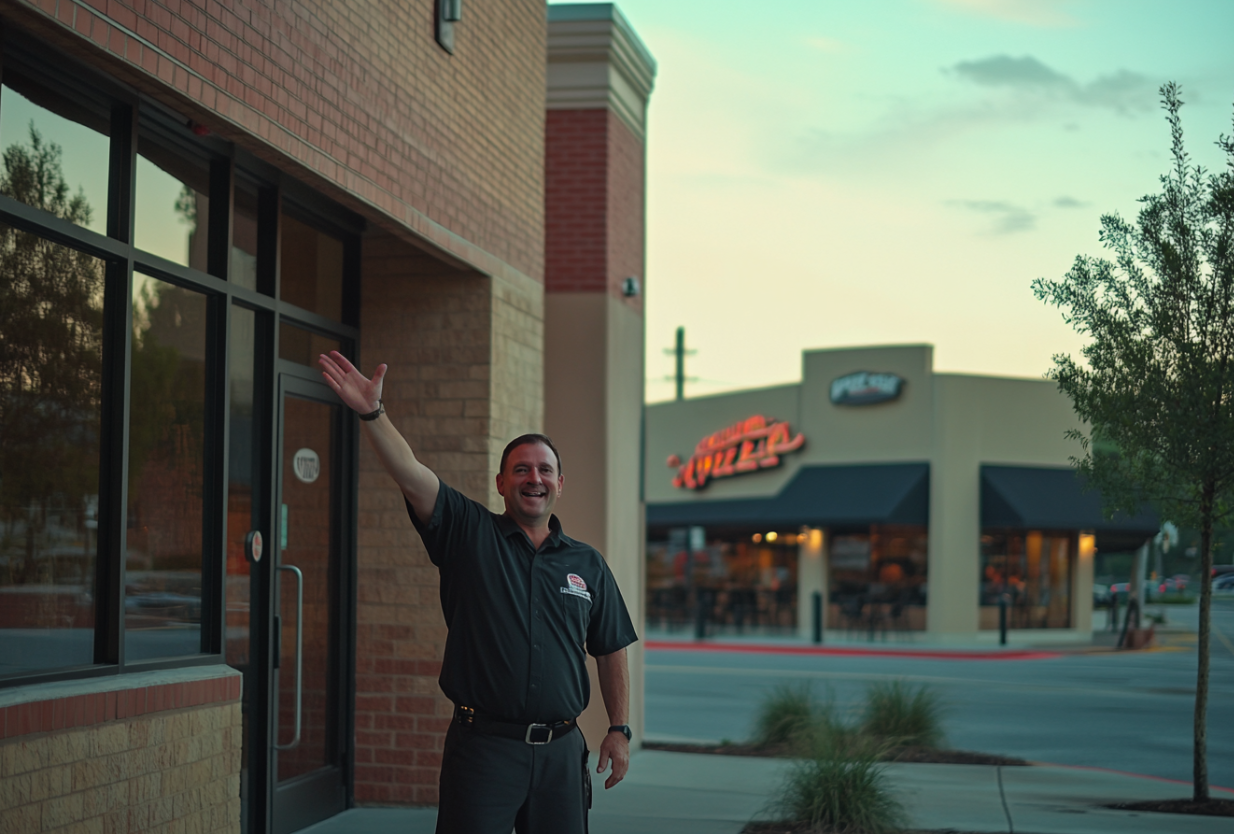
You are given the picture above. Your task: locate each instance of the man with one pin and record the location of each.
(522, 603)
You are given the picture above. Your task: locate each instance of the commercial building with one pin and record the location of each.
(909, 500)
(213, 608)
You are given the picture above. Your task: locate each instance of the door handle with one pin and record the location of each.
(295, 742)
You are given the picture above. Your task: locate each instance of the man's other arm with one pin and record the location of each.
(614, 677)
(363, 395)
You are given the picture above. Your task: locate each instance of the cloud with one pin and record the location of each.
(1122, 91)
(1007, 217)
(1044, 13)
(1066, 202)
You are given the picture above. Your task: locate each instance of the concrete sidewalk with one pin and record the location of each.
(686, 793)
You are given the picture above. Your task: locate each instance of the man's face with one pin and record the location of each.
(530, 483)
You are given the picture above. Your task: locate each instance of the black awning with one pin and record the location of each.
(1050, 498)
(893, 493)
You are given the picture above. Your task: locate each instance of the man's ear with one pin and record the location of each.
(500, 482)
(561, 480)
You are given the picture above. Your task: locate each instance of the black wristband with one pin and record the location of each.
(373, 415)
(624, 729)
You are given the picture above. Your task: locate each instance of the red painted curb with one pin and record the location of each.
(1129, 773)
(848, 651)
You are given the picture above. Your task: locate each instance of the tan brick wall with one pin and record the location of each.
(466, 374)
(354, 98)
(172, 771)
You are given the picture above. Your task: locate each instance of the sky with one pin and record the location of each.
(825, 174)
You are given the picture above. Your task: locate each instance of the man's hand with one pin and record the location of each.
(354, 388)
(616, 748)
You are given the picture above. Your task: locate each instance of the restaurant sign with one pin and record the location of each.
(864, 388)
(748, 446)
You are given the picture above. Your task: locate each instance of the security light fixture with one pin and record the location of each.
(448, 12)
(630, 287)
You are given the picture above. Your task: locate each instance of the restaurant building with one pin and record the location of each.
(909, 500)
(214, 612)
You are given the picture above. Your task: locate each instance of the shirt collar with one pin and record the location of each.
(509, 527)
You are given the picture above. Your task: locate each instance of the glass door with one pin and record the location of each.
(309, 674)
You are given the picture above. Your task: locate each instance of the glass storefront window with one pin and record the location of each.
(303, 346)
(1034, 569)
(51, 357)
(41, 131)
(311, 271)
(877, 578)
(166, 471)
(172, 210)
(243, 268)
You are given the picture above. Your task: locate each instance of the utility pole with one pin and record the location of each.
(680, 352)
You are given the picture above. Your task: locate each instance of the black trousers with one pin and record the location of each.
(493, 785)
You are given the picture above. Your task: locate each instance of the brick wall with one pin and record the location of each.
(158, 758)
(354, 98)
(594, 230)
(465, 357)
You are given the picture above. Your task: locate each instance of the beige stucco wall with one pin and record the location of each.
(593, 371)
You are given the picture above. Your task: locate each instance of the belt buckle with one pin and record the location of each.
(545, 729)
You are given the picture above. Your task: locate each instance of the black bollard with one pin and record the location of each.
(700, 614)
(818, 617)
(1113, 609)
(1002, 619)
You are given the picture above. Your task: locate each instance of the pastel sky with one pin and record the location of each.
(825, 173)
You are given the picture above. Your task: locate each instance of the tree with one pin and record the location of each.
(51, 333)
(1157, 382)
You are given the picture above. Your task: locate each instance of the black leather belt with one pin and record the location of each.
(529, 733)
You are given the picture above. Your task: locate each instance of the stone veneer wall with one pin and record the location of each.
(149, 752)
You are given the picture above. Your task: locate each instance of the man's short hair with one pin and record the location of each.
(523, 440)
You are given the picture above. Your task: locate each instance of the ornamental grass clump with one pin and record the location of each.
(788, 716)
(902, 715)
(841, 789)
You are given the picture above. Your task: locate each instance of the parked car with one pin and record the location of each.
(1224, 582)
(1101, 595)
(1124, 588)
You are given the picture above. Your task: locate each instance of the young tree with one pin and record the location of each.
(1157, 382)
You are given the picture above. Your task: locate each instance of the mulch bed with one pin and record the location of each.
(914, 755)
(1211, 808)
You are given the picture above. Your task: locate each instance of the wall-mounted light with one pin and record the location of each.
(630, 287)
(448, 12)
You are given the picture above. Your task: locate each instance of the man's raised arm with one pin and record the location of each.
(363, 395)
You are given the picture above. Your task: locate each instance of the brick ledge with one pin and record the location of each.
(47, 707)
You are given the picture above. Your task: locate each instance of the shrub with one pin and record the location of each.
(841, 789)
(787, 715)
(903, 715)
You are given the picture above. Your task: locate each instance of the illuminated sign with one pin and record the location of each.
(864, 388)
(753, 444)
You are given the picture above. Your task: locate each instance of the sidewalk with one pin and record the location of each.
(686, 793)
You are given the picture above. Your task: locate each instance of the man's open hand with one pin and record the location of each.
(616, 748)
(359, 392)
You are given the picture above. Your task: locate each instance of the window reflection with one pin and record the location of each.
(303, 346)
(243, 267)
(166, 470)
(44, 132)
(311, 275)
(51, 333)
(172, 209)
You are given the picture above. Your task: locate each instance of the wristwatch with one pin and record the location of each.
(624, 729)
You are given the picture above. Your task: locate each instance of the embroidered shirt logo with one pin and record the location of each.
(576, 586)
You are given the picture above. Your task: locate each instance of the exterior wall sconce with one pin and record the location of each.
(448, 12)
(630, 287)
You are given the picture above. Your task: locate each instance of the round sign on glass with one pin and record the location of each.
(253, 545)
(306, 464)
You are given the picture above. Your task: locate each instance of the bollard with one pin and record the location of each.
(700, 614)
(818, 617)
(1112, 617)
(1002, 619)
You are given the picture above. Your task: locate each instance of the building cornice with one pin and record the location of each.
(596, 60)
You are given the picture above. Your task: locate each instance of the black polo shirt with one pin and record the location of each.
(519, 619)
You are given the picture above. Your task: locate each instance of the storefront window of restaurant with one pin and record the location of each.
(115, 346)
(1034, 569)
(877, 578)
(739, 583)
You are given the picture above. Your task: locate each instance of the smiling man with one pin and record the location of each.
(524, 603)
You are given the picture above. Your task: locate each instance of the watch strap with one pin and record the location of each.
(624, 729)
(373, 415)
